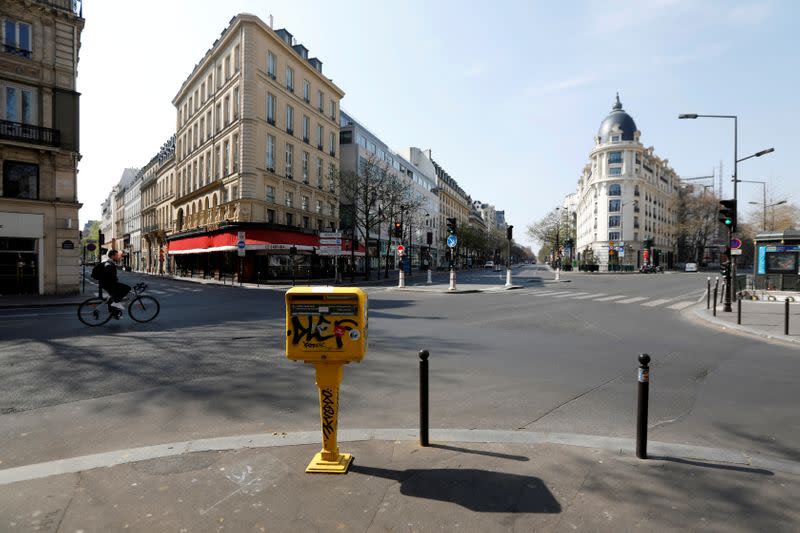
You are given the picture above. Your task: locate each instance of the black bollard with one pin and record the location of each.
(641, 410)
(708, 296)
(716, 289)
(786, 318)
(715, 301)
(739, 310)
(423, 398)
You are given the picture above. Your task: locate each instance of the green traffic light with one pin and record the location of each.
(728, 222)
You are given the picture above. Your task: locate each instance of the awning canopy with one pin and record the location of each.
(256, 239)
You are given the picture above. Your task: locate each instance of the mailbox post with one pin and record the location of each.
(327, 327)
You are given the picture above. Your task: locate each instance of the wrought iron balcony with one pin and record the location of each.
(13, 50)
(16, 131)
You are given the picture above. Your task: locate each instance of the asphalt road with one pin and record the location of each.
(545, 357)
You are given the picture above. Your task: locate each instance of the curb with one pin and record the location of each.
(38, 306)
(699, 312)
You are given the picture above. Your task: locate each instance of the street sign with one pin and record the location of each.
(241, 244)
(330, 242)
(736, 243)
(330, 234)
(330, 250)
(452, 241)
(402, 249)
(736, 251)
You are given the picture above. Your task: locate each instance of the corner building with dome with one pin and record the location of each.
(627, 200)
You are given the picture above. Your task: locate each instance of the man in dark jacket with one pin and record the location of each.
(116, 290)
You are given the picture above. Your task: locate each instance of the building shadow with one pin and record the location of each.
(481, 491)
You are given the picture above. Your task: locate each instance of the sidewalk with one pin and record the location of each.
(465, 481)
(760, 318)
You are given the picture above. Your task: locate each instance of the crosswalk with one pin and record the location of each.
(676, 303)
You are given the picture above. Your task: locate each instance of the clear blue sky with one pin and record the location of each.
(507, 94)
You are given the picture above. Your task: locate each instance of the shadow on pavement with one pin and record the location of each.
(480, 491)
(733, 468)
(480, 452)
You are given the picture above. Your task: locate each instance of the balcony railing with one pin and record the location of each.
(16, 131)
(73, 6)
(13, 50)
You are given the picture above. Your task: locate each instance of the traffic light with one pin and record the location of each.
(509, 232)
(725, 267)
(430, 238)
(101, 238)
(727, 214)
(398, 230)
(451, 225)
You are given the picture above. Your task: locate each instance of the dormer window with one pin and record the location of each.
(615, 138)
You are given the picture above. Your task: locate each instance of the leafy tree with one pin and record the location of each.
(552, 231)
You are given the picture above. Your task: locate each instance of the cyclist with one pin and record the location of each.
(109, 282)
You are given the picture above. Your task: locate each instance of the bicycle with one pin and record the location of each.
(97, 311)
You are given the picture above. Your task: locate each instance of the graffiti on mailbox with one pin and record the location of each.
(314, 333)
(328, 412)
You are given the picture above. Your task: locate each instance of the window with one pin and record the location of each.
(20, 180)
(636, 222)
(638, 158)
(319, 172)
(305, 222)
(319, 206)
(320, 133)
(289, 219)
(320, 101)
(289, 160)
(613, 206)
(226, 158)
(332, 143)
(333, 109)
(237, 57)
(615, 171)
(270, 194)
(319, 225)
(270, 153)
(306, 91)
(17, 38)
(219, 117)
(614, 189)
(271, 216)
(306, 127)
(371, 147)
(331, 178)
(289, 78)
(234, 192)
(209, 85)
(218, 162)
(613, 236)
(289, 198)
(18, 105)
(614, 157)
(362, 141)
(208, 165)
(615, 138)
(305, 203)
(235, 103)
(227, 107)
(346, 137)
(227, 67)
(270, 109)
(208, 124)
(636, 191)
(271, 65)
(289, 120)
(236, 153)
(305, 167)
(613, 221)
(332, 209)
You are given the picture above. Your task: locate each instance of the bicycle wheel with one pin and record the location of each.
(143, 308)
(94, 312)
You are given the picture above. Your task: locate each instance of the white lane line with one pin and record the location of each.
(681, 305)
(570, 294)
(562, 293)
(657, 302)
(609, 298)
(591, 295)
(632, 300)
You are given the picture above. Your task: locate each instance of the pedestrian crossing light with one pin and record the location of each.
(451, 226)
(727, 214)
(509, 232)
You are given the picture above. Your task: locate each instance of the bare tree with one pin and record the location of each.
(697, 223)
(552, 232)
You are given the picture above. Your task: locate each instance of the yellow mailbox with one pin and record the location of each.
(327, 327)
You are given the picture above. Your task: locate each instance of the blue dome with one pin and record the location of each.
(618, 121)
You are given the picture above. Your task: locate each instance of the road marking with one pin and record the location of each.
(657, 302)
(571, 294)
(632, 300)
(562, 293)
(609, 298)
(681, 305)
(591, 295)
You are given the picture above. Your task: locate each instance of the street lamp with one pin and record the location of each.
(731, 273)
(765, 211)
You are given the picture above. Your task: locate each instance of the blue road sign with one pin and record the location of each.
(241, 245)
(452, 240)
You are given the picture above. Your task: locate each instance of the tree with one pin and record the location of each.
(552, 232)
(777, 218)
(93, 234)
(697, 223)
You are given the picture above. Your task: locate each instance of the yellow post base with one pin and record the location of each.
(320, 466)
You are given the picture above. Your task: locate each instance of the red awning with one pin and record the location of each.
(256, 239)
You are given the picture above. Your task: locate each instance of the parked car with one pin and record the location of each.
(690, 267)
(489, 265)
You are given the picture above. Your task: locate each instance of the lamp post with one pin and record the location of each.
(765, 211)
(731, 273)
(557, 254)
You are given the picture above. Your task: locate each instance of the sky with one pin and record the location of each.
(508, 95)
